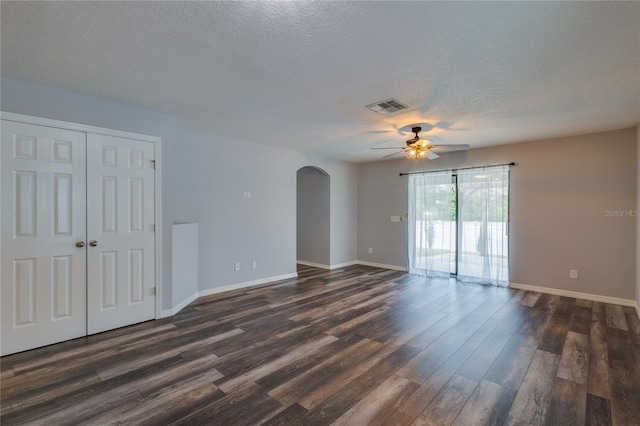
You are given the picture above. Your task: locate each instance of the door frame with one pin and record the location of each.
(157, 141)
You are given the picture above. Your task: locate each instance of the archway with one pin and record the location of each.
(313, 213)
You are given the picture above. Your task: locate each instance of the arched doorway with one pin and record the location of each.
(313, 212)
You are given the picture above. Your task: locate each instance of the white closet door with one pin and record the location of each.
(121, 232)
(43, 216)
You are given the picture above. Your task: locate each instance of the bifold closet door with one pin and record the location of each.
(121, 232)
(43, 274)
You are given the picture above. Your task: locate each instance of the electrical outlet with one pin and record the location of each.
(254, 264)
(246, 195)
(573, 273)
(236, 266)
(370, 250)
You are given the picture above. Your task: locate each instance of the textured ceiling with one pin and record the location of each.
(298, 74)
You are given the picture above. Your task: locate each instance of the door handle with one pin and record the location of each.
(79, 243)
(93, 243)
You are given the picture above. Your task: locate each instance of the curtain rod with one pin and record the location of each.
(461, 168)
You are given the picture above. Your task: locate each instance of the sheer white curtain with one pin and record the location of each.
(483, 197)
(432, 224)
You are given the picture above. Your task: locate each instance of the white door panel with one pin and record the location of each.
(120, 219)
(43, 274)
(59, 187)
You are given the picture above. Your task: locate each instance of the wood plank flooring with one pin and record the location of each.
(353, 346)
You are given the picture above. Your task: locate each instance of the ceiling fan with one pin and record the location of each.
(418, 147)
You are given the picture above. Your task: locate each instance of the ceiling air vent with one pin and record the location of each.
(387, 107)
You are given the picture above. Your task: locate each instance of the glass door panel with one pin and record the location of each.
(482, 225)
(433, 246)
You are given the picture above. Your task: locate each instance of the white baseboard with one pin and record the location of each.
(171, 312)
(180, 306)
(312, 264)
(577, 295)
(383, 266)
(351, 263)
(245, 284)
(167, 313)
(343, 265)
(323, 266)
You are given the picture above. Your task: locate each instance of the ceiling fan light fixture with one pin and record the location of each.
(418, 148)
(416, 152)
(413, 141)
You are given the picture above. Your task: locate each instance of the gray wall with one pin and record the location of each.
(638, 224)
(560, 190)
(313, 213)
(184, 261)
(204, 177)
(214, 174)
(344, 209)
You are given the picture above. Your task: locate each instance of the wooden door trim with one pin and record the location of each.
(157, 141)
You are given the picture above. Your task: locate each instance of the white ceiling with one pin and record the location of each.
(298, 74)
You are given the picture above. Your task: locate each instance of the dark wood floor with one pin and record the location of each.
(354, 346)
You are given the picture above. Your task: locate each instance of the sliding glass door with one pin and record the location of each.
(432, 215)
(459, 224)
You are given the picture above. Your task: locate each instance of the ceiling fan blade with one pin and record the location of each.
(453, 147)
(432, 155)
(392, 147)
(391, 155)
